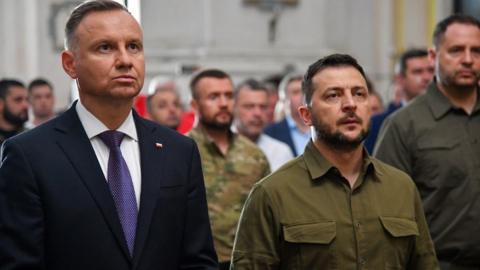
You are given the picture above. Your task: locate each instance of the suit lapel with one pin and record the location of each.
(77, 147)
(152, 162)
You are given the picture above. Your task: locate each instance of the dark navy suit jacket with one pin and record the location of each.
(56, 211)
(281, 132)
(375, 124)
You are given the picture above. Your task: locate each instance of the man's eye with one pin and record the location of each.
(104, 48)
(134, 47)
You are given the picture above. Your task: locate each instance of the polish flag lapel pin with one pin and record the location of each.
(158, 145)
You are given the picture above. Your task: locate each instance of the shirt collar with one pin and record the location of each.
(318, 166)
(439, 104)
(290, 122)
(94, 127)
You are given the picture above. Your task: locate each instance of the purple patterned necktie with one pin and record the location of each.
(121, 186)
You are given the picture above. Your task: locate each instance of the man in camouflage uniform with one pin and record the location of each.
(231, 163)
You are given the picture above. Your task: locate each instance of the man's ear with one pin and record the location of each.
(68, 63)
(2, 104)
(305, 114)
(432, 54)
(194, 105)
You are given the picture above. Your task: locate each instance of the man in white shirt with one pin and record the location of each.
(250, 112)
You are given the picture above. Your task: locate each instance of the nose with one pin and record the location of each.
(348, 103)
(124, 59)
(467, 58)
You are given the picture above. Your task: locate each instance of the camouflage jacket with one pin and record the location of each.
(228, 180)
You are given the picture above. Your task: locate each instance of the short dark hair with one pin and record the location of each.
(253, 84)
(333, 60)
(407, 55)
(206, 73)
(6, 84)
(83, 10)
(442, 26)
(39, 82)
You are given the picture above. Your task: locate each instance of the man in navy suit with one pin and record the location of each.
(98, 187)
(414, 73)
(291, 130)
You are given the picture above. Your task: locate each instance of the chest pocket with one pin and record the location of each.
(400, 238)
(439, 161)
(310, 246)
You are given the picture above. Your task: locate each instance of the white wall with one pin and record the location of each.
(221, 33)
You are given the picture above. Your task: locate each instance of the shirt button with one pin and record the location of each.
(362, 261)
(357, 225)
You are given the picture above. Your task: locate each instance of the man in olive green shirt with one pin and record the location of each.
(231, 163)
(436, 140)
(334, 207)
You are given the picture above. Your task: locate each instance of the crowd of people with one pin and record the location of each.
(304, 171)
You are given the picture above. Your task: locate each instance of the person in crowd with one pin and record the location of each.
(435, 140)
(334, 206)
(272, 83)
(376, 101)
(98, 187)
(291, 130)
(231, 163)
(414, 73)
(42, 102)
(164, 105)
(13, 108)
(250, 118)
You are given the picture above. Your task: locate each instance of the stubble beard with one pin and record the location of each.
(335, 139)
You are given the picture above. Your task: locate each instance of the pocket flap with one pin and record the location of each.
(312, 233)
(399, 227)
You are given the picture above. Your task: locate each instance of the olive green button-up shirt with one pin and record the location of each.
(306, 216)
(438, 145)
(228, 180)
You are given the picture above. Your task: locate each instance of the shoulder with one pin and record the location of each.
(267, 143)
(394, 179)
(275, 127)
(169, 135)
(286, 177)
(247, 147)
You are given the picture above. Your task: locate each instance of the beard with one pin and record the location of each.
(216, 125)
(16, 120)
(336, 139)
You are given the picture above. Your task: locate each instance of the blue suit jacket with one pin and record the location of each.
(56, 211)
(375, 124)
(281, 132)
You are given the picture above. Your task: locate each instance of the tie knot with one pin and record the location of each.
(112, 138)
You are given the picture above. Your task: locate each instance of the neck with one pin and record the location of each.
(221, 137)
(348, 162)
(464, 98)
(6, 126)
(40, 120)
(112, 113)
(299, 123)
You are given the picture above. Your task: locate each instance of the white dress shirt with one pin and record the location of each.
(277, 152)
(129, 146)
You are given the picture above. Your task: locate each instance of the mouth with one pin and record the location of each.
(125, 79)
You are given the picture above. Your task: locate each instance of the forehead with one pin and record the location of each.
(15, 91)
(165, 95)
(40, 88)
(343, 77)
(208, 85)
(247, 94)
(461, 32)
(106, 24)
(419, 61)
